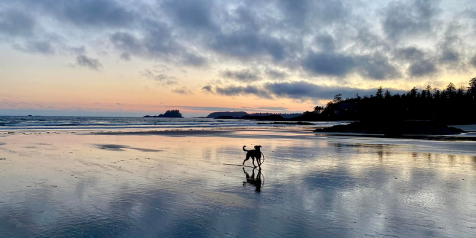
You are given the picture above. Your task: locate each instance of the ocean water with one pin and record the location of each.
(74, 123)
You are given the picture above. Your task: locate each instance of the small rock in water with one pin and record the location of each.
(3, 158)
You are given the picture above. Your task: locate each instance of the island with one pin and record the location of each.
(227, 115)
(169, 113)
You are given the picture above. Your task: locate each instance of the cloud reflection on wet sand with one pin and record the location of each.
(327, 187)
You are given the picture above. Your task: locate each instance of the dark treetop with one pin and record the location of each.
(449, 106)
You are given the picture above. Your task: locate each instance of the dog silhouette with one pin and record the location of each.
(253, 154)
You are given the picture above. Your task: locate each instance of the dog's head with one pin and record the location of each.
(258, 147)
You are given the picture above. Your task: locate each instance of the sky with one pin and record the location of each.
(132, 58)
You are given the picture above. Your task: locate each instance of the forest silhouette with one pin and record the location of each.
(449, 106)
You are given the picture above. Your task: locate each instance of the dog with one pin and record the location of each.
(254, 154)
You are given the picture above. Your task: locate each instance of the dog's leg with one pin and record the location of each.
(253, 161)
(247, 158)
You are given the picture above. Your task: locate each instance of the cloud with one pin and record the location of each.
(239, 91)
(301, 90)
(473, 61)
(276, 74)
(182, 90)
(409, 19)
(191, 14)
(422, 68)
(244, 75)
(377, 67)
(409, 53)
(16, 23)
(87, 62)
(207, 89)
(80, 50)
(126, 56)
(157, 42)
(88, 13)
(41, 47)
(314, 40)
(273, 108)
(221, 109)
(246, 44)
(330, 64)
(449, 44)
(162, 78)
(305, 90)
(325, 42)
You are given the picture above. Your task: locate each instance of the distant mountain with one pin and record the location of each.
(169, 113)
(229, 115)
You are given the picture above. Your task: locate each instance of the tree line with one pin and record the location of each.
(450, 105)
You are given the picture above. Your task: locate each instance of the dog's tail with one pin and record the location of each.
(244, 148)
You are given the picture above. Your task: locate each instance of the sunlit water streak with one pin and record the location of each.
(69, 185)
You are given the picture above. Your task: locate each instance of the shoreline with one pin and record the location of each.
(278, 131)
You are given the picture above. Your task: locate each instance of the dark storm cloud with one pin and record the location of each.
(87, 62)
(407, 19)
(16, 23)
(244, 75)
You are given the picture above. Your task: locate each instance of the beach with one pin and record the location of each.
(190, 183)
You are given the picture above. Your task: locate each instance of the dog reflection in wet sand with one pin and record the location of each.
(254, 154)
(255, 181)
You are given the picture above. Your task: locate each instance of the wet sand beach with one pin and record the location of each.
(58, 183)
